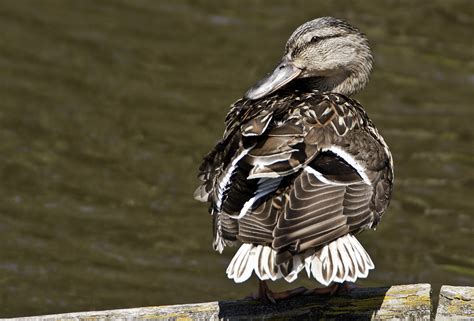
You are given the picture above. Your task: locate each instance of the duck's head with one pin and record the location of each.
(330, 53)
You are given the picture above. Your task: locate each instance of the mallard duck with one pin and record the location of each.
(301, 169)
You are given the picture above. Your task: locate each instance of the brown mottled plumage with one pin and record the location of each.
(301, 169)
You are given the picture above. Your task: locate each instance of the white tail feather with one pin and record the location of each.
(345, 258)
(341, 260)
(317, 268)
(336, 263)
(265, 262)
(232, 268)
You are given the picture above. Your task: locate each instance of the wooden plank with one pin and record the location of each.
(401, 302)
(455, 303)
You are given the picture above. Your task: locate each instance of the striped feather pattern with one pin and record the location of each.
(296, 175)
(258, 225)
(316, 214)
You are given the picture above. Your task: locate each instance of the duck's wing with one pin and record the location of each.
(298, 179)
(323, 205)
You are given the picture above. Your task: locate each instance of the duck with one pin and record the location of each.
(301, 170)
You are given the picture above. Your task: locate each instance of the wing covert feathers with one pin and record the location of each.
(296, 175)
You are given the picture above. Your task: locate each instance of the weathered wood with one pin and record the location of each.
(402, 302)
(455, 303)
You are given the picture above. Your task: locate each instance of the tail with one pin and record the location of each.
(341, 260)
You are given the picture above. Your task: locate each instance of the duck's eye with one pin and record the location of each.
(316, 38)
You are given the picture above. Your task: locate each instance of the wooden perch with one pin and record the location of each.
(455, 302)
(401, 302)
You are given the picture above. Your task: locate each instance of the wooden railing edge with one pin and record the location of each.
(398, 302)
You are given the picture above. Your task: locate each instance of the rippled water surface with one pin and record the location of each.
(106, 108)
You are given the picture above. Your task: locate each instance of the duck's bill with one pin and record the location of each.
(285, 72)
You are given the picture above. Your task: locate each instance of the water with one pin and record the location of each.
(106, 108)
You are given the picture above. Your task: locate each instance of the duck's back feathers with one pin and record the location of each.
(295, 172)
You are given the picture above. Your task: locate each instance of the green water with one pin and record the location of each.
(106, 108)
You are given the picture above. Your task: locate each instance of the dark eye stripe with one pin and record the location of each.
(314, 39)
(319, 38)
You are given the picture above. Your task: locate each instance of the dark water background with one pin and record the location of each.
(106, 108)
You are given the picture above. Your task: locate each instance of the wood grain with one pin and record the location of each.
(400, 302)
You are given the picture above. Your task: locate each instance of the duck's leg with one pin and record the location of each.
(347, 287)
(265, 295)
(331, 290)
(335, 288)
